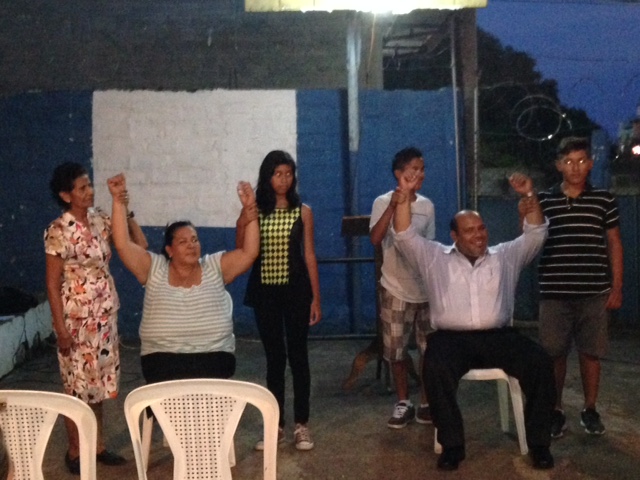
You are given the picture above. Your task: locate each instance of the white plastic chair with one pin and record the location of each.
(27, 418)
(503, 399)
(199, 418)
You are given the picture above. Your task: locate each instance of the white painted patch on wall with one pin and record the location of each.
(183, 153)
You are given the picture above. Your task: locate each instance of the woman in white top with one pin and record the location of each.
(187, 328)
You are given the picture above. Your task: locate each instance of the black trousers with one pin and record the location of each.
(162, 366)
(283, 324)
(450, 354)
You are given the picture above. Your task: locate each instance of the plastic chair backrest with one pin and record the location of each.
(199, 418)
(27, 418)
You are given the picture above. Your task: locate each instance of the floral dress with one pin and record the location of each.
(91, 372)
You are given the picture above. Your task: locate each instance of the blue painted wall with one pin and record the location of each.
(40, 130)
(390, 121)
(37, 132)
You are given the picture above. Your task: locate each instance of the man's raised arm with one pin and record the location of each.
(529, 206)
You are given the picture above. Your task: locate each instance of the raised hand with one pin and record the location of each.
(118, 188)
(406, 183)
(246, 194)
(248, 199)
(398, 196)
(521, 183)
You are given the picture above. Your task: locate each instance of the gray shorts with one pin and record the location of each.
(398, 319)
(583, 321)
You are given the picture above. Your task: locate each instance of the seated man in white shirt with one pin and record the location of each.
(471, 289)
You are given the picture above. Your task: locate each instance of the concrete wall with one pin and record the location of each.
(173, 45)
(183, 161)
(21, 335)
(184, 153)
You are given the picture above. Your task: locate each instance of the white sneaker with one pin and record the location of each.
(302, 437)
(281, 440)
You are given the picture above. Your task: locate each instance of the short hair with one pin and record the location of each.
(403, 157)
(170, 232)
(573, 144)
(453, 224)
(63, 178)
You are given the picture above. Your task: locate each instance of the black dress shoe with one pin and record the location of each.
(451, 458)
(541, 458)
(73, 464)
(109, 458)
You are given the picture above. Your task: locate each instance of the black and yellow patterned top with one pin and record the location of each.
(281, 264)
(275, 230)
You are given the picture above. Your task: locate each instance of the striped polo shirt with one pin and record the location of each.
(574, 260)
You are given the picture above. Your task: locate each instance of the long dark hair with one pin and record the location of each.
(170, 232)
(265, 194)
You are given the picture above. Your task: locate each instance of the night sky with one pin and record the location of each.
(591, 47)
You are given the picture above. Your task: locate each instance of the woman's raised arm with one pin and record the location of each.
(135, 258)
(238, 261)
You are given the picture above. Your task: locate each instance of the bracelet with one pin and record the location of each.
(130, 215)
(530, 193)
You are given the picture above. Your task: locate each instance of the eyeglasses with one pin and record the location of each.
(569, 162)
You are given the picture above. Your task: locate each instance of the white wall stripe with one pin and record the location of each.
(183, 153)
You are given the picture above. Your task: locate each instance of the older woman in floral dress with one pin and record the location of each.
(83, 299)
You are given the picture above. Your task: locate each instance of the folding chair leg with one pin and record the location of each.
(518, 414)
(147, 430)
(232, 455)
(503, 402)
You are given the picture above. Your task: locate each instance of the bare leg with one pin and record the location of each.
(74, 439)
(424, 399)
(399, 370)
(97, 410)
(590, 372)
(560, 373)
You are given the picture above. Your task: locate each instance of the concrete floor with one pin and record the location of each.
(349, 427)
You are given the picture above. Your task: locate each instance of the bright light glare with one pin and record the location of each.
(374, 6)
(635, 150)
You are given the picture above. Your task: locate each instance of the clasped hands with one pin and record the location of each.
(248, 199)
(118, 189)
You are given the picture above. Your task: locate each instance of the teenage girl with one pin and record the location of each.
(283, 288)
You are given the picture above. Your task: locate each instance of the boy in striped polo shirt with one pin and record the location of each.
(580, 276)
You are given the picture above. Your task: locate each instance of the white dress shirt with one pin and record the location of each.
(463, 296)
